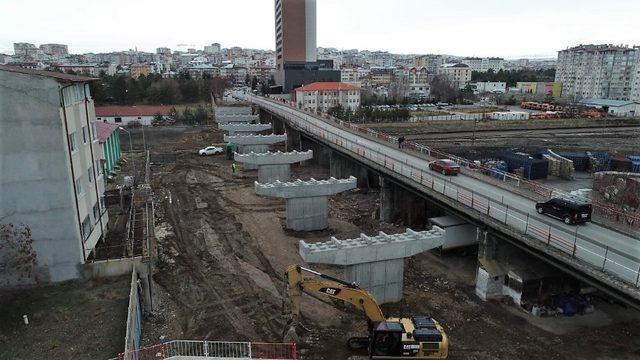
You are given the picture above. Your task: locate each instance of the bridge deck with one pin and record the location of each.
(605, 250)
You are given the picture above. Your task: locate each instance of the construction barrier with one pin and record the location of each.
(192, 349)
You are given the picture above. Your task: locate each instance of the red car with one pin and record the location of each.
(445, 166)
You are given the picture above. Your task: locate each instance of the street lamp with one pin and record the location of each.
(133, 163)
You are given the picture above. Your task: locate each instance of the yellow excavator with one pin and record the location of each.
(417, 337)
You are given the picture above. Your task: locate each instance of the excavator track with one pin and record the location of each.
(358, 343)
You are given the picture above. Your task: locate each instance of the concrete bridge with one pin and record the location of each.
(596, 254)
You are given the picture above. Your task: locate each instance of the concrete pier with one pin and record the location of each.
(243, 128)
(307, 208)
(236, 118)
(273, 166)
(254, 143)
(375, 263)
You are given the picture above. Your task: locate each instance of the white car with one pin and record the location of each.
(210, 150)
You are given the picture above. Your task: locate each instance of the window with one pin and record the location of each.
(94, 131)
(84, 134)
(79, 188)
(86, 228)
(96, 211)
(118, 119)
(90, 173)
(99, 167)
(72, 141)
(102, 205)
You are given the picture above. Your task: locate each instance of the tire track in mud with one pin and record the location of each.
(217, 297)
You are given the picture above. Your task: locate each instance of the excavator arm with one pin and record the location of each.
(332, 288)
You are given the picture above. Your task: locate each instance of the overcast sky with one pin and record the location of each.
(513, 28)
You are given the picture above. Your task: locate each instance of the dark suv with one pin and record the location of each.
(571, 210)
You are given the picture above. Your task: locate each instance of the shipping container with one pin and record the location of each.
(532, 168)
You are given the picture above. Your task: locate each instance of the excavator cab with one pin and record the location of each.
(386, 339)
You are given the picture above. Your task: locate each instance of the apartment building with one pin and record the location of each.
(51, 183)
(458, 74)
(599, 71)
(430, 62)
(484, 64)
(321, 96)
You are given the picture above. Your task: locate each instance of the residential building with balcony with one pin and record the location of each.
(484, 64)
(600, 72)
(52, 182)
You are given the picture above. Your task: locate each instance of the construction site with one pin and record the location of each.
(222, 251)
(217, 243)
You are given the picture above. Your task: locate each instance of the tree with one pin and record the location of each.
(441, 89)
(336, 111)
(247, 79)
(187, 116)
(165, 91)
(254, 83)
(201, 115)
(157, 120)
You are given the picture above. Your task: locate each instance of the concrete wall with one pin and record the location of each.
(36, 188)
(307, 214)
(383, 279)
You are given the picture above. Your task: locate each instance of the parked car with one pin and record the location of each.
(571, 209)
(445, 166)
(210, 150)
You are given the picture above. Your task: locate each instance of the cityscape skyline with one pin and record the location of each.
(565, 25)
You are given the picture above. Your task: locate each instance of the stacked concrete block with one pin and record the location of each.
(243, 128)
(307, 208)
(375, 263)
(273, 166)
(254, 143)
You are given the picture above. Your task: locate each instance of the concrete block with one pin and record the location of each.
(307, 214)
(273, 166)
(375, 263)
(243, 128)
(311, 188)
(255, 139)
(372, 248)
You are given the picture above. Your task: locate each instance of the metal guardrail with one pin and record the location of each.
(601, 256)
(192, 349)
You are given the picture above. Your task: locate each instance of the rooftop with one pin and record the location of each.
(136, 110)
(607, 102)
(327, 86)
(60, 77)
(104, 130)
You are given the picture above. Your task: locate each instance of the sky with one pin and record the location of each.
(510, 29)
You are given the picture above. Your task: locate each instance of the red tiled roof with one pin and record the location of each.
(327, 86)
(136, 110)
(60, 77)
(104, 130)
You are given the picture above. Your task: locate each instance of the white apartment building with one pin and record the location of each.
(495, 87)
(321, 96)
(484, 64)
(350, 75)
(600, 72)
(458, 74)
(51, 183)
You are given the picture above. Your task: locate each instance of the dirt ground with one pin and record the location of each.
(457, 137)
(223, 251)
(75, 320)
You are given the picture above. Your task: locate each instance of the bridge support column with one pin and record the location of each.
(321, 153)
(273, 166)
(254, 143)
(307, 208)
(341, 167)
(375, 263)
(386, 200)
(489, 275)
(399, 204)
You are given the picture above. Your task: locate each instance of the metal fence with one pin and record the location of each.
(622, 264)
(191, 349)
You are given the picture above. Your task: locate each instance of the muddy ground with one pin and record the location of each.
(223, 251)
